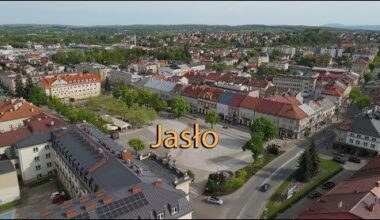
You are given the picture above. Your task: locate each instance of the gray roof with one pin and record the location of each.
(33, 140)
(225, 97)
(77, 144)
(366, 124)
(160, 85)
(6, 166)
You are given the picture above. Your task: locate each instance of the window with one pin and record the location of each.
(47, 147)
(373, 139)
(365, 144)
(352, 134)
(39, 176)
(359, 136)
(160, 216)
(372, 145)
(38, 167)
(351, 141)
(48, 156)
(50, 173)
(357, 142)
(48, 164)
(35, 149)
(36, 158)
(366, 137)
(174, 210)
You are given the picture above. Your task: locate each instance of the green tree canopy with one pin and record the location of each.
(367, 77)
(212, 118)
(363, 101)
(137, 144)
(179, 106)
(255, 145)
(264, 125)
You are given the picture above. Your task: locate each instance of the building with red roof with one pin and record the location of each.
(14, 111)
(207, 99)
(73, 86)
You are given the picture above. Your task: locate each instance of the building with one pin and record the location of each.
(279, 65)
(361, 132)
(223, 102)
(78, 86)
(297, 83)
(161, 87)
(96, 68)
(14, 111)
(116, 77)
(9, 188)
(207, 99)
(8, 80)
(106, 181)
(355, 198)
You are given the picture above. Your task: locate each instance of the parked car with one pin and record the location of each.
(54, 194)
(225, 126)
(314, 195)
(215, 200)
(339, 160)
(58, 198)
(328, 185)
(338, 154)
(354, 159)
(265, 187)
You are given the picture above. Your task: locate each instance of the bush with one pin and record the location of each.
(190, 174)
(273, 149)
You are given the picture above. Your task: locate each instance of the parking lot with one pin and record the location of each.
(227, 155)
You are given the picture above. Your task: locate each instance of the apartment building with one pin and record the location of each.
(279, 65)
(96, 68)
(87, 163)
(361, 132)
(78, 86)
(297, 83)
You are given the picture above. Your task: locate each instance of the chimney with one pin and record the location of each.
(340, 204)
(136, 189)
(126, 155)
(89, 206)
(157, 183)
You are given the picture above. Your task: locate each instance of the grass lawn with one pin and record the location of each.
(328, 169)
(243, 175)
(10, 205)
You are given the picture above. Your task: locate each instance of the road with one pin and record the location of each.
(248, 202)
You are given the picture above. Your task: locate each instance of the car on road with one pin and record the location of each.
(339, 160)
(328, 185)
(314, 195)
(225, 126)
(58, 198)
(354, 159)
(265, 187)
(215, 200)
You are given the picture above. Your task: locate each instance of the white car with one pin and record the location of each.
(215, 200)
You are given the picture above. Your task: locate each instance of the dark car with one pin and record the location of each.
(354, 159)
(314, 195)
(328, 185)
(58, 198)
(338, 154)
(339, 160)
(265, 187)
(225, 126)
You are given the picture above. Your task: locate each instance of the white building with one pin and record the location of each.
(361, 132)
(297, 83)
(78, 86)
(9, 188)
(279, 65)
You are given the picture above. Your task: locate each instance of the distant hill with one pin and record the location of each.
(354, 27)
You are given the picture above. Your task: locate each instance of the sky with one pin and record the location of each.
(89, 13)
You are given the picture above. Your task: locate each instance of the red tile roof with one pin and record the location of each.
(332, 90)
(210, 94)
(40, 123)
(353, 198)
(13, 109)
(249, 102)
(192, 91)
(72, 79)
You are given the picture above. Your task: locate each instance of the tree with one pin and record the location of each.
(29, 85)
(363, 101)
(371, 67)
(37, 96)
(267, 127)
(179, 106)
(355, 94)
(255, 145)
(367, 77)
(19, 86)
(137, 144)
(314, 159)
(212, 118)
(303, 172)
(107, 85)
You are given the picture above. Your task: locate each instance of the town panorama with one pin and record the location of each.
(189, 121)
